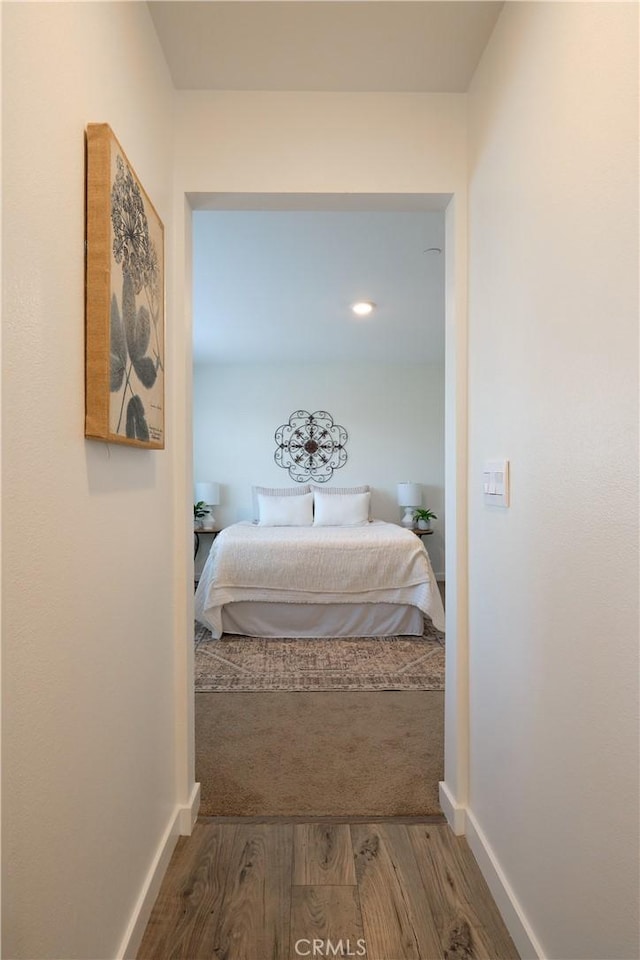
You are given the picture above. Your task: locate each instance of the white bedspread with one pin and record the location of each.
(375, 563)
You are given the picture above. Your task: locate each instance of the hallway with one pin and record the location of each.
(279, 890)
(527, 141)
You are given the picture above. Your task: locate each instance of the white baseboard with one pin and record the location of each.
(453, 811)
(180, 824)
(189, 814)
(512, 913)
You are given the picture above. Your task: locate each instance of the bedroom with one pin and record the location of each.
(274, 332)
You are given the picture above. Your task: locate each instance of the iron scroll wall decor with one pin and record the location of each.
(310, 446)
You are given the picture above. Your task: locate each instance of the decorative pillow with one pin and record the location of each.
(285, 511)
(277, 492)
(340, 509)
(363, 488)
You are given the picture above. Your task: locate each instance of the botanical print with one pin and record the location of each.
(136, 379)
(310, 446)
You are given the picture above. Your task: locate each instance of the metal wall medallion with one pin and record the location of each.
(310, 446)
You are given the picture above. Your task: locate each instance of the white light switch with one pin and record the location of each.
(495, 482)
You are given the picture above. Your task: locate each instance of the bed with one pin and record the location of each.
(371, 579)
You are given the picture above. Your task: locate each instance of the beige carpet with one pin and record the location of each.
(319, 754)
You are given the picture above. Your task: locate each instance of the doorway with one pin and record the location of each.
(454, 416)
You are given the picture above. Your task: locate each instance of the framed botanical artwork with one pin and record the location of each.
(124, 312)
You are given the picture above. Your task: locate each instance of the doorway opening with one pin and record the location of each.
(391, 403)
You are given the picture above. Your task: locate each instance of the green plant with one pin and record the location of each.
(424, 514)
(200, 509)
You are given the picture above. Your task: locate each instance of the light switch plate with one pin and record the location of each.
(495, 483)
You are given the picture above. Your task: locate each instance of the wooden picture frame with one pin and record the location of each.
(124, 302)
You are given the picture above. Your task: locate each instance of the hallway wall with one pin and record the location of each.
(88, 774)
(553, 381)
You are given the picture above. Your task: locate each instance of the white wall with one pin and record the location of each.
(393, 414)
(89, 783)
(553, 350)
(266, 142)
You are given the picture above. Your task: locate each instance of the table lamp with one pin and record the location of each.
(208, 492)
(409, 497)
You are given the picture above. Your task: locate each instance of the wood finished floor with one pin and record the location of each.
(387, 890)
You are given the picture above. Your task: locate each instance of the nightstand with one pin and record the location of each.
(199, 532)
(419, 532)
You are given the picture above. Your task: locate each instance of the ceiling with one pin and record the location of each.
(276, 284)
(431, 47)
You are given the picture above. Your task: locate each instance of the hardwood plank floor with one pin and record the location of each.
(461, 900)
(322, 854)
(190, 900)
(256, 914)
(327, 913)
(280, 890)
(398, 921)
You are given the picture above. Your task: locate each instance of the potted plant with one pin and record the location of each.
(423, 517)
(200, 510)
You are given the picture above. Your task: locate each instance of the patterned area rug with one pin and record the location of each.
(252, 664)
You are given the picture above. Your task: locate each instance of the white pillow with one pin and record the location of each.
(340, 509)
(363, 488)
(285, 511)
(338, 491)
(276, 492)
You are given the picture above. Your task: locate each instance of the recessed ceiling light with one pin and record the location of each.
(362, 308)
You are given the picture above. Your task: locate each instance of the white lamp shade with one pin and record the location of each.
(409, 494)
(208, 492)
